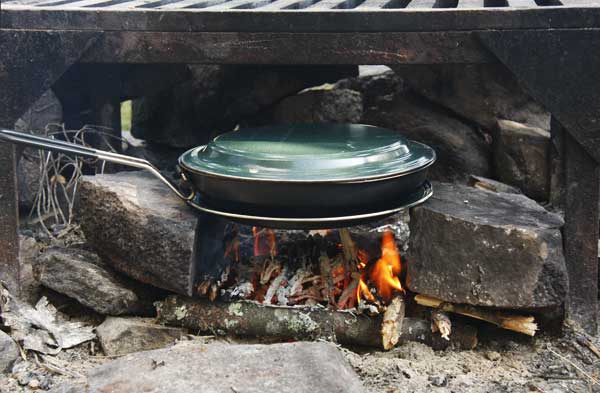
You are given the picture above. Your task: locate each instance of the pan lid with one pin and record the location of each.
(309, 152)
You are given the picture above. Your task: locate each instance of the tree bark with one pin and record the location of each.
(249, 319)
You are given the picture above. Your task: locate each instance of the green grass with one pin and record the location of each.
(126, 116)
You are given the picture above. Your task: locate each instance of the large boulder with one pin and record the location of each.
(218, 97)
(460, 149)
(121, 336)
(81, 275)
(139, 227)
(522, 157)
(484, 248)
(481, 93)
(326, 104)
(191, 367)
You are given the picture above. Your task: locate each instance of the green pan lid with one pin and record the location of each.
(309, 153)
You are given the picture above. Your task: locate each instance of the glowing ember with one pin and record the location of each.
(264, 241)
(387, 269)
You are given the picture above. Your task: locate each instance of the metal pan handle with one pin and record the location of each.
(43, 143)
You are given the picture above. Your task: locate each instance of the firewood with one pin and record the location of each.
(283, 323)
(349, 250)
(348, 297)
(518, 323)
(327, 278)
(391, 326)
(440, 322)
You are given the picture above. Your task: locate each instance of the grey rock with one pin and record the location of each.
(479, 92)
(461, 150)
(190, 367)
(374, 87)
(522, 157)
(492, 185)
(139, 227)
(493, 355)
(326, 104)
(439, 380)
(219, 97)
(81, 275)
(485, 248)
(121, 336)
(9, 352)
(45, 111)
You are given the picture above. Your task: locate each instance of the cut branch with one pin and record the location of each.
(391, 326)
(250, 319)
(517, 323)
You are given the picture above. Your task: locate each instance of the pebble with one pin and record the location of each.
(492, 355)
(438, 380)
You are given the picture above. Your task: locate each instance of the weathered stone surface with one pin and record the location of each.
(484, 183)
(374, 87)
(522, 157)
(81, 275)
(140, 227)
(482, 93)
(485, 248)
(218, 97)
(9, 352)
(189, 367)
(45, 111)
(461, 150)
(326, 104)
(121, 336)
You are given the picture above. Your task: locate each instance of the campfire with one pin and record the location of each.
(295, 268)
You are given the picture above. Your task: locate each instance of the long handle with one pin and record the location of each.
(43, 143)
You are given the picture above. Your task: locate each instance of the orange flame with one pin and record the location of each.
(264, 241)
(387, 269)
(362, 290)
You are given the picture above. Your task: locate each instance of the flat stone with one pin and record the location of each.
(217, 98)
(9, 352)
(81, 275)
(121, 336)
(486, 248)
(481, 93)
(326, 104)
(140, 228)
(522, 157)
(190, 367)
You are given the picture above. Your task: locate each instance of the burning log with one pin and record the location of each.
(518, 323)
(251, 319)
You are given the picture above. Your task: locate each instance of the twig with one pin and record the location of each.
(564, 358)
(54, 187)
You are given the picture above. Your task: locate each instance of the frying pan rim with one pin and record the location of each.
(366, 179)
(427, 188)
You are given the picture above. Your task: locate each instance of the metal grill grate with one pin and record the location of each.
(282, 5)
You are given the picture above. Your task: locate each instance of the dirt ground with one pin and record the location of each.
(502, 362)
(503, 365)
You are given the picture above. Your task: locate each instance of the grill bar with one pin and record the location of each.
(311, 5)
(421, 4)
(286, 5)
